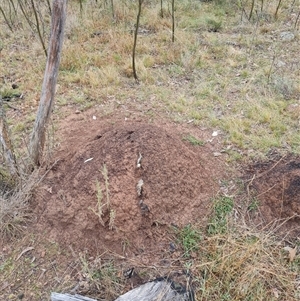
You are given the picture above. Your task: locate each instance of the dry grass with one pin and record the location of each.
(223, 71)
(31, 268)
(14, 205)
(245, 265)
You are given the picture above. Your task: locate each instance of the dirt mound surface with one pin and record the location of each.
(154, 179)
(276, 186)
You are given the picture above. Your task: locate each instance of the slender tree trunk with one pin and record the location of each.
(173, 21)
(5, 19)
(49, 7)
(81, 7)
(112, 9)
(251, 10)
(38, 27)
(243, 10)
(135, 39)
(25, 14)
(37, 141)
(6, 144)
(297, 19)
(277, 9)
(262, 6)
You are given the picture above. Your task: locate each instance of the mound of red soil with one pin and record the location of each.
(276, 185)
(155, 179)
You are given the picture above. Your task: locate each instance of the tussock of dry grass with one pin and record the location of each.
(245, 265)
(14, 207)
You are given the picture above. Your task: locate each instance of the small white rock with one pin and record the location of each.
(217, 154)
(280, 64)
(287, 36)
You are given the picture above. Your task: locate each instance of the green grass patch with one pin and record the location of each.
(189, 238)
(193, 140)
(222, 208)
(8, 94)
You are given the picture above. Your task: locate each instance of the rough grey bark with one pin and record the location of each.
(37, 141)
(6, 144)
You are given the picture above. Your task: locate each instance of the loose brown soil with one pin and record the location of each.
(179, 181)
(276, 186)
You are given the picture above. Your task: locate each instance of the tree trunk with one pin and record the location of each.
(37, 141)
(135, 38)
(6, 144)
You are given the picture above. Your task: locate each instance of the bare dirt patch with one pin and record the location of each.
(276, 186)
(179, 180)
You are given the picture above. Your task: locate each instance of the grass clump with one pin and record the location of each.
(189, 238)
(222, 208)
(14, 205)
(213, 25)
(8, 94)
(102, 276)
(193, 140)
(239, 265)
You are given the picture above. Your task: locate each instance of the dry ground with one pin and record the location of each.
(211, 129)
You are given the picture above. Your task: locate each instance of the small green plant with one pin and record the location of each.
(189, 238)
(193, 140)
(8, 94)
(253, 206)
(103, 276)
(284, 86)
(213, 25)
(222, 207)
(107, 271)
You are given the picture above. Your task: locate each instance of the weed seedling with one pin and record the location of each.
(189, 238)
(193, 140)
(222, 208)
(8, 94)
(213, 25)
(253, 206)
